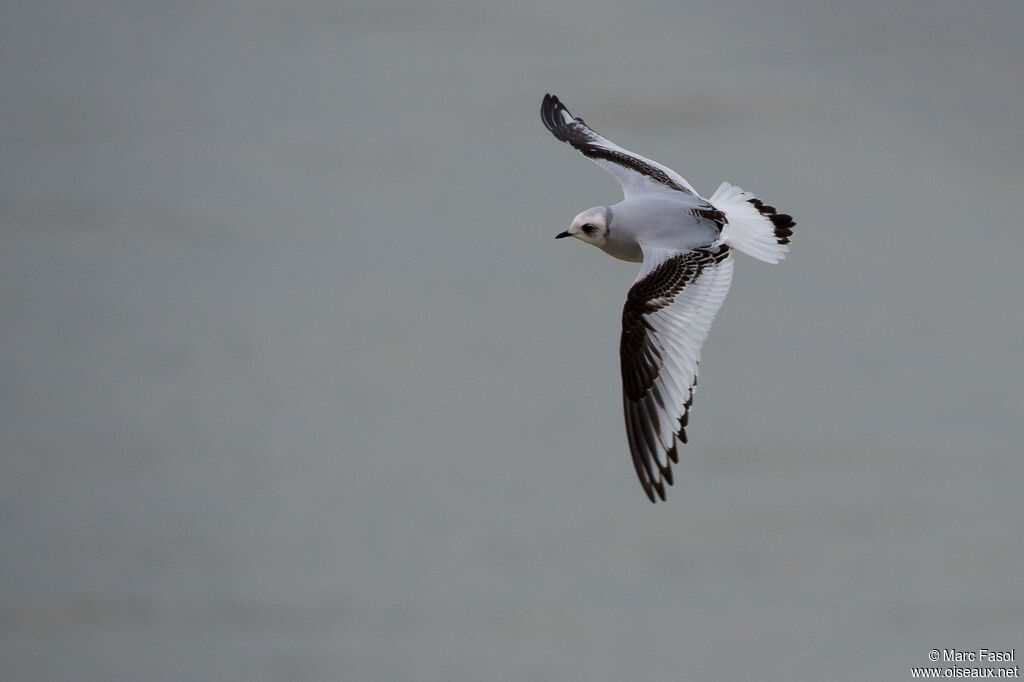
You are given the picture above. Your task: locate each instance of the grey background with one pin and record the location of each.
(296, 385)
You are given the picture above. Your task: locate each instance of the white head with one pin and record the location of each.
(591, 226)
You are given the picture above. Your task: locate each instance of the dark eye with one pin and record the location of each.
(588, 228)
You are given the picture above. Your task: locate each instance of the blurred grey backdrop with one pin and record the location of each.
(296, 384)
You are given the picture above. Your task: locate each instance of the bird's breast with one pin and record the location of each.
(627, 249)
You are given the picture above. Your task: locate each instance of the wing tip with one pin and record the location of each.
(559, 121)
(655, 488)
(555, 117)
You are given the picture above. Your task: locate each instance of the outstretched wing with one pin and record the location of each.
(668, 312)
(634, 172)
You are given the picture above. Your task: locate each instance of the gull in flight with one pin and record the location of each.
(685, 244)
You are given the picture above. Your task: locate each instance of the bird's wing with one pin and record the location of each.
(634, 172)
(667, 315)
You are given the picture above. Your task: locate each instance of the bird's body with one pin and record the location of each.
(685, 244)
(658, 218)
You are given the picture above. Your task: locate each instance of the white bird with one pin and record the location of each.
(685, 243)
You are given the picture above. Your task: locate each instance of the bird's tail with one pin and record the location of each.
(752, 226)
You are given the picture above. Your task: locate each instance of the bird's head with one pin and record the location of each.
(591, 226)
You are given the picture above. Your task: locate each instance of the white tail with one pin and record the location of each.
(752, 227)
